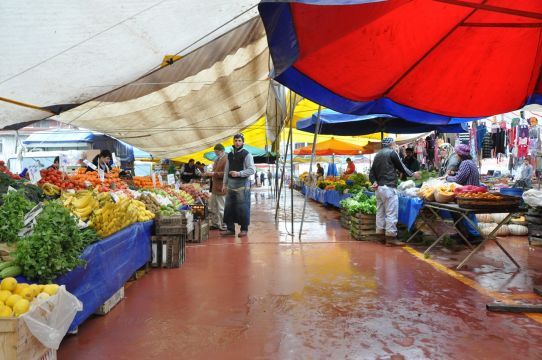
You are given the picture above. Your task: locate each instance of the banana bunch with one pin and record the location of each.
(50, 189)
(81, 203)
(113, 217)
(427, 192)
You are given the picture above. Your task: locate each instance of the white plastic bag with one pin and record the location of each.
(533, 197)
(49, 319)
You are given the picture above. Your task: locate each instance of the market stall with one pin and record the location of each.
(88, 232)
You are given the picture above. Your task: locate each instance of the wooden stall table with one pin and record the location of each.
(435, 208)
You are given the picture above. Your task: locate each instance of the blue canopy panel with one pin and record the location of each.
(335, 123)
(60, 136)
(285, 52)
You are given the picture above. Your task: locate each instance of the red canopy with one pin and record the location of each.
(455, 58)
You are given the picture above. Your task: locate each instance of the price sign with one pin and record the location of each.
(177, 186)
(115, 160)
(89, 164)
(171, 179)
(101, 174)
(115, 197)
(160, 179)
(34, 174)
(63, 162)
(153, 177)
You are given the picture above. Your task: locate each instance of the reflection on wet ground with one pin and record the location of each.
(273, 296)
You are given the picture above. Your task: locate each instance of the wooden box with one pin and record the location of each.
(18, 343)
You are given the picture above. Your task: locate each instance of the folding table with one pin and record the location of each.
(435, 207)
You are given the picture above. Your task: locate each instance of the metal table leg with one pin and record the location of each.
(490, 237)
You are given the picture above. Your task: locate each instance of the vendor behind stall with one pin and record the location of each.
(524, 174)
(350, 167)
(56, 163)
(102, 161)
(467, 174)
(451, 161)
(410, 162)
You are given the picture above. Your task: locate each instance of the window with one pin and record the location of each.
(41, 124)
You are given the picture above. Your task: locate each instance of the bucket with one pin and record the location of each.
(512, 191)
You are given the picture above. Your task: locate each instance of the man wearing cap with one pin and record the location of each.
(383, 174)
(239, 168)
(350, 167)
(218, 195)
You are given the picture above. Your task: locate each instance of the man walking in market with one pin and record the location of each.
(383, 175)
(218, 195)
(239, 168)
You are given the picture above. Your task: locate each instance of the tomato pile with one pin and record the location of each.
(58, 178)
(6, 171)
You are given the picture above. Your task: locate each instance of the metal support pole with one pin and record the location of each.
(316, 131)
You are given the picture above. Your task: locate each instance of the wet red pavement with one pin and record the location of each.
(327, 297)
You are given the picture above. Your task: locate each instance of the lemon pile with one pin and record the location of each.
(15, 298)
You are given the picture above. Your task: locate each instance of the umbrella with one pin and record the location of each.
(332, 170)
(335, 123)
(440, 59)
(332, 147)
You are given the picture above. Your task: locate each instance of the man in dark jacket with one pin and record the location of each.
(383, 174)
(239, 168)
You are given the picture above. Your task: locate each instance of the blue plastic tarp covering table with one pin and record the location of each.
(409, 208)
(332, 197)
(110, 263)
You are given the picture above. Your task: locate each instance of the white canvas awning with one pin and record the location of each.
(192, 104)
(59, 54)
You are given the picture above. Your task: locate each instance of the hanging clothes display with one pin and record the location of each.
(523, 140)
(481, 131)
(487, 146)
(430, 148)
(499, 141)
(473, 143)
(534, 139)
(420, 147)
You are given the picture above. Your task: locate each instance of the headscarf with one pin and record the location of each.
(462, 150)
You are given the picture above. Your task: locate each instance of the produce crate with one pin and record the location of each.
(18, 343)
(200, 211)
(345, 219)
(110, 303)
(170, 230)
(201, 231)
(168, 251)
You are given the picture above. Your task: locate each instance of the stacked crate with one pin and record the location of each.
(345, 219)
(169, 243)
(362, 226)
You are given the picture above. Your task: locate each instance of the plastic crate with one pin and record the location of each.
(110, 303)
